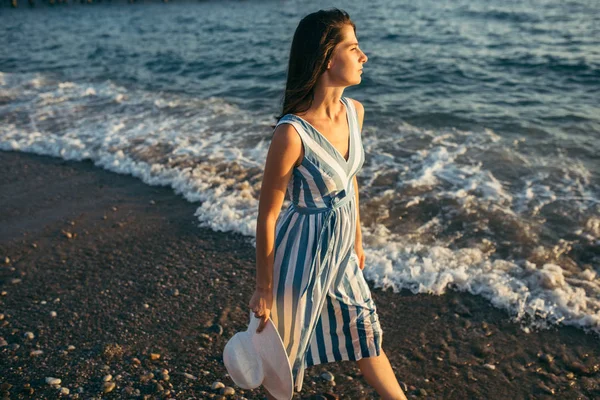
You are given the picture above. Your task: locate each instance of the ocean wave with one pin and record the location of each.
(442, 209)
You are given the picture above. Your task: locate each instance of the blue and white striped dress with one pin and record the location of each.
(322, 305)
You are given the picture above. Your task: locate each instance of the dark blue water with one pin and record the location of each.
(481, 132)
(529, 67)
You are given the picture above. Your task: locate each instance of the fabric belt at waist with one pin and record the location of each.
(337, 201)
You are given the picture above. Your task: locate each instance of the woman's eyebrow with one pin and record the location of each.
(352, 44)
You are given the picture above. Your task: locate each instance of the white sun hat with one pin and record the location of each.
(253, 359)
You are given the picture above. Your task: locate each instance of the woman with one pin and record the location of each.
(310, 258)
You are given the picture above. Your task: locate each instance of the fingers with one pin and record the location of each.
(261, 325)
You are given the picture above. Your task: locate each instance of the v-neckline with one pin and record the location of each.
(350, 139)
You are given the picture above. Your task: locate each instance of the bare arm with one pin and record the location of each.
(284, 151)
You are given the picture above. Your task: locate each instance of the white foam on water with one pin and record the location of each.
(212, 152)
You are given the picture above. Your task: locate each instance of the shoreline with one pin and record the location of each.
(135, 276)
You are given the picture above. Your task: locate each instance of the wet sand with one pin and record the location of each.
(103, 275)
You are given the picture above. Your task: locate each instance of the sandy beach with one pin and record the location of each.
(109, 286)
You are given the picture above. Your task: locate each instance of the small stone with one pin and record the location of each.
(53, 381)
(29, 335)
(146, 377)
(471, 377)
(53, 314)
(152, 202)
(136, 361)
(205, 337)
(35, 353)
(570, 375)
(421, 392)
(107, 378)
(3, 343)
(217, 385)
(164, 375)
(159, 387)
(403, 386)
(64, 391)
(328, 376)
(154, 356)
(1, 316)
(16, 281)
(189, 376)
(14, 346)
(43, 302)
(227, 391)
(34, 245)
(67, 234)
(71, 347)
(108, 387)
(218, 329)
(6, 260)
(577, 367)
(114, 208)
(544, 388)
(175, 292)
(204, 372)
(146, 305)
(490, 366)
(547, 358)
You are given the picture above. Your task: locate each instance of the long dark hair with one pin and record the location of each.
(315, 38)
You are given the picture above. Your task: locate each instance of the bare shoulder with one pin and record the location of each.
(287, 142)
(360, 110)
(285, 134)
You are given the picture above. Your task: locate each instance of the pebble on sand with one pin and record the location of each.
(189, 376)
(53, 381)
(328, 376)
(29, 335)
(108, 387)
(217, 385)
(154, 356)
(227, 391)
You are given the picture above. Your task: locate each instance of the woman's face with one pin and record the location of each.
(345, 66)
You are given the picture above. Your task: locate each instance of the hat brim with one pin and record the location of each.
(277, 371)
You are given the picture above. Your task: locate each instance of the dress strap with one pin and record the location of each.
(289, 119)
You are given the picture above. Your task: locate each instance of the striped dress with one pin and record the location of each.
(322, 306)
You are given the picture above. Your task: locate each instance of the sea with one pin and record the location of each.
(481, 131)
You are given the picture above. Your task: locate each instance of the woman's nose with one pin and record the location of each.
(365, 58)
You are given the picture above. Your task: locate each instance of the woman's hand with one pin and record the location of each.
(260, 304)
(358, 249)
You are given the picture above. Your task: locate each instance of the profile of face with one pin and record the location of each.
(346, 63)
